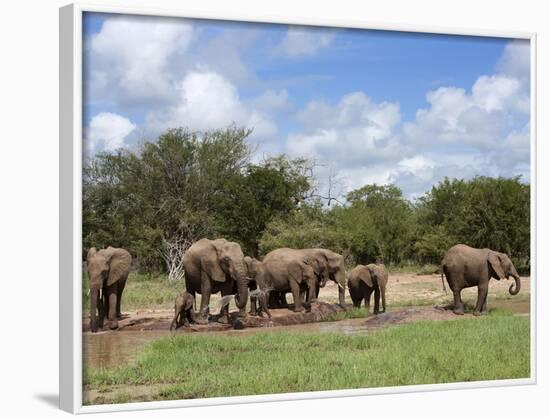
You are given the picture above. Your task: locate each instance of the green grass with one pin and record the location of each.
(354, 313)
(418, 269)
(198, 366)
(143, 292)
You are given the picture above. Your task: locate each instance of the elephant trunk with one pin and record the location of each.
(94, 297)
(340, 279)
(512, 290)
(341, 295)
(242, 287)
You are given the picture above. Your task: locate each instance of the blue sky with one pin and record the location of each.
(368, 106)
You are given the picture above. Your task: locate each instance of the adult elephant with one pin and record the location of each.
(464, 266)
(212, 266)
(108, 270)
(330, 266)
(288, 270)
(363, 280)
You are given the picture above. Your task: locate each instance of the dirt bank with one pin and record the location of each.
(403, 290)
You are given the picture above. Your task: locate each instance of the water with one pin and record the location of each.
(112, 349)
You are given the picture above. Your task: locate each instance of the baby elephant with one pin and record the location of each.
(363, 280)
(259, 285)
(183, 310)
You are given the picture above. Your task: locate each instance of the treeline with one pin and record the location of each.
(189, 185)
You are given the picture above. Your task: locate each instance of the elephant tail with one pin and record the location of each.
(443, 278)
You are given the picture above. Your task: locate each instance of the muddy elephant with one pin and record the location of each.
(259, 285)
(184, 312)
(464, 266)
(363, 280)
(289, 270)
(108, 271)
(213, 266)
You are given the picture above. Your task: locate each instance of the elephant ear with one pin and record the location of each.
(210, 263)
(189, 301)
(365, 275)
(496, 264)
(297, 270)
(249, 262)
(91, 252)
(119, 261)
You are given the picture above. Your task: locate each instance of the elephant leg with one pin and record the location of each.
(112, 296)
(174, 324)
(312, 291)
(100, 310)
(356, 301)
(383, 293)
(367, 299)
(121, 285)
(459, 305)
(105, 296)
(264, 305)
(253, 306)
(482, 290)
(295, 288)
(186, 318)
(206, 289)
(377, 301)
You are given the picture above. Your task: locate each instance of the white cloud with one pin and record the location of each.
(107, 131)
(461, 133)
(305, 41)
(499, 93)
(347, 132)
(130, 57)
(208, 101)
(270, 100)
(515, 60)
(222, 55)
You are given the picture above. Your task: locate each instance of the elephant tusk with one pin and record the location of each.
(341, 286)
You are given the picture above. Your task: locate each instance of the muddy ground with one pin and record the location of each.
(403, 290)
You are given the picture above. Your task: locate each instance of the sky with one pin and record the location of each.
(367, 106)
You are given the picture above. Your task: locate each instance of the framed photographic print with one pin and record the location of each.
(260, 210)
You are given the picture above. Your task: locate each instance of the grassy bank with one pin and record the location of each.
(198, 366)
(143, 291)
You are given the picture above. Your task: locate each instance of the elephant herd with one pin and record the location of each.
(219, 265)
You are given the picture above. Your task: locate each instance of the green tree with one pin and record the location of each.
(381, 220)
(250, 201)
(307, 226)
(166, 190)
(482, 212)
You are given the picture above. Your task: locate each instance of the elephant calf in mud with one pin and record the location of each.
(184, 314)
(464, 267)
(363, 280)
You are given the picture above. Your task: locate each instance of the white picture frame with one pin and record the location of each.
(70, 203)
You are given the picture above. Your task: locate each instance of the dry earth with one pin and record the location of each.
(403, 290)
